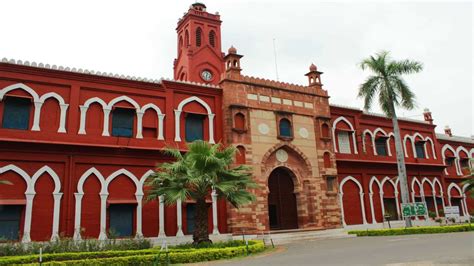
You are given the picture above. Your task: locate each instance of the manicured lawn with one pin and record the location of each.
(414, 230)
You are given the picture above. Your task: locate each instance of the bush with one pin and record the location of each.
(69, 245)
(413, 230)
(141, 257)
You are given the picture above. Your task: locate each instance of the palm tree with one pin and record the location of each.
(204, 168)
(392, 91)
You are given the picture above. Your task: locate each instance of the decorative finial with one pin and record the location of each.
(232, 50)
(313, 67)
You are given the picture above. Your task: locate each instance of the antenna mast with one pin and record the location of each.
(275, 55)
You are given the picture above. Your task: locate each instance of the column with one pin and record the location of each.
(442, 201)
(105, 130)
(103, 216)
(372, 207)
(466, 211)
(161, 231)
(77, 216)
(82, 121)
(215, 230)
(62, 119)
(139, 125)
(177, 132)
(139, 233)
(382, 207)
(211, 128)
(179, 215)
(435, 203)
(36, 116)
(28, 212)
(398, 206)
(161, 117)
(342, 209)
(56, 210)
(361, 196)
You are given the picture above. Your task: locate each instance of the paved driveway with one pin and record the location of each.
(435, 249)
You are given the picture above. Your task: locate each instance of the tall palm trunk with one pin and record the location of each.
(201, 230)
(402, 172)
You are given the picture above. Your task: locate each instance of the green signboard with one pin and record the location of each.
(414, 209)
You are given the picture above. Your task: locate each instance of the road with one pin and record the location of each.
(434, 249)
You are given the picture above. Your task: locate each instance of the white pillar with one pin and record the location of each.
(160, 126)
(77, 216)
(449, 200)
(103, 216)
(215, 230)
(211, 128)
(82, 121)
(36, 116)
(161, 231)
(105, 130)
(382, 206)
(62, 119)
(342, 209)
(361, 196)
(139, 233)
(177, 125)
(388, 146)
(442, 202)
(139, 124)
(435, 203)
(466, 211)
(28, 215)
(354, 141)
(179, 215)
(56, 212)
(372, 207)
(397, 202)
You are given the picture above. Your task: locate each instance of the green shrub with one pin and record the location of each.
(141, 257)
(69, 245)
(414, 230)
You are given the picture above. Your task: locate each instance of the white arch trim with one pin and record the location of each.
(104, 193)
(179, 110)
(443, 155)
(405, 144)
(372, 140)
(371, 197)
(38, 103)
(337, 120)
(361, 197)
(107, 108)
(30, 194)
(417, 134)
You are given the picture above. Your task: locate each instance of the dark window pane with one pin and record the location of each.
(121, 219)
(122, 122)
(194, 127)
(420, 149)
(190, 217)
(16, 113)
(330, 183)
(285, 128)
(381, 146)
(10, 222)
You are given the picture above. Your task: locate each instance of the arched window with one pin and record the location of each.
(420, 149)
(325, 131)
(212, 38)
(16, 113)
(343, 141)
(122, 122)
(180, 41)
(285, 128)
(198, 37)
(381, 146)
(327, 160)
(240, 155)
(239, 121)
(186, 38)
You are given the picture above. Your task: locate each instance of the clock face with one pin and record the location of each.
(206, 75)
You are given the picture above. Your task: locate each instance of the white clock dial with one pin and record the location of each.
(206, 75)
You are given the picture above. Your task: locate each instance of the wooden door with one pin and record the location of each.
(282, 212)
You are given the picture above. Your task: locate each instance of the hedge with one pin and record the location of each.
(414, 230)
(136, 257)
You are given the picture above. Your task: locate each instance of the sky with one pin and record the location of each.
(138, 38)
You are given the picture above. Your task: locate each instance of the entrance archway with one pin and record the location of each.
(282, 211)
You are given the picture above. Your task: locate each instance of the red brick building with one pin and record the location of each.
(78, 146)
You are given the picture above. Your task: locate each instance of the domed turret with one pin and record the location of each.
(232, 50)
(198, 6)
(313, 67)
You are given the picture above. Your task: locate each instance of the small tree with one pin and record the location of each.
(195, 174)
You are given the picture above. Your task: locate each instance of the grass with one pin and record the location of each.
(414, 230)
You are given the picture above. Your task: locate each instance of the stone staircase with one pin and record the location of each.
(292, 236)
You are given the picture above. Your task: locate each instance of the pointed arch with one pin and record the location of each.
(83, 178)
(123, 98)
(179, 110)
(290, 146)
(373, 180)
(455, 186)
(413, 181)
(433, 151)
(334, 124)
(412, 142)
(20, 86)
(52, 173)
(122, 171)
(361, 198)
(367, 131)
(95, 100)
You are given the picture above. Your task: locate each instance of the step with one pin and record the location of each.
(304, 235)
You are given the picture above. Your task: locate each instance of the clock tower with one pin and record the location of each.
(199, 46)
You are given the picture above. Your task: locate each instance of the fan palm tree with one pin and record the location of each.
(195, 174)
(386, 81)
